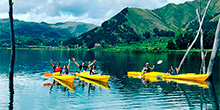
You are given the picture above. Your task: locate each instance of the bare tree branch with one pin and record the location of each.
(215, 50)
(202, 69)
(200, 27)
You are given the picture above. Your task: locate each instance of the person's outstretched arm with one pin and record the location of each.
(153, 67)
(75, 62)
(177, 70)
(89, 68)
(92, 63)
(51, 61)
(68, 65)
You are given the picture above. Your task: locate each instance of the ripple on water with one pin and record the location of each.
(124, 93)
(4, 91)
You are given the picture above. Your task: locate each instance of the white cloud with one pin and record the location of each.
(177, 1)
(90, 11)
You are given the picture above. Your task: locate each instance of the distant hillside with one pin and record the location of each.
(41, 34)
(76, 28)
(133, 25)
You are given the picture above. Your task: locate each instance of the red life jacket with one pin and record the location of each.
(57, 69)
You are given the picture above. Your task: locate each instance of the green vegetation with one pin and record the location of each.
(168, 28)
(172, 27)
(41, 34)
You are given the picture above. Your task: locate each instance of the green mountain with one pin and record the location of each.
(41, 34)
(134, 25)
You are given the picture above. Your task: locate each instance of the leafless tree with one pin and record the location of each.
(197, 35)
(11, 69)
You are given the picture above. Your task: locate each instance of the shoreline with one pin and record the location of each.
(33, 48)
(116, 50)
(142, 50)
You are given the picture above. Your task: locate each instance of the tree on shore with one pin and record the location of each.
(11, 69)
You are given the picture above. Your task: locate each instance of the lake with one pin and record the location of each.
(121, 92)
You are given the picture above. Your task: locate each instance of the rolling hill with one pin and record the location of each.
(41, 34)
(134, 25)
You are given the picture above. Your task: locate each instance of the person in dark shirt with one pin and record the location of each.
(147, 68)
(83, 66)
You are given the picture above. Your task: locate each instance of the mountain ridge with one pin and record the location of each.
(133, 25)
(41, 34)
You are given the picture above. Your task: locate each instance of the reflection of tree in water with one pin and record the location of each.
(190, 93)
(11, 98)
(213, 96)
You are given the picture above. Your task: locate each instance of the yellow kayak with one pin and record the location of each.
(101, 78)
(67, 78)
(68, 85)
(146, 75)
(192, 77)
(188, 76)
(203, 84)
(101, 84)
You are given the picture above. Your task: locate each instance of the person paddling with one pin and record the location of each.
(147, 68)
(83, 66)
(65, 69)
(56, 68)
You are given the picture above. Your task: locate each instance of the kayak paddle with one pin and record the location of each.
(158, 63)
(48, 74)
(48, 84)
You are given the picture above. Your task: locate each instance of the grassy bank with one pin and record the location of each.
(143, 50)
(156, 45)
(123, 49)
(36, 48)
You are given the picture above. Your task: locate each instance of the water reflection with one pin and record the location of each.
(91, 87)
(123, 93)
(64, 86)
(11, 96)
(176, 91)
(214, 97)
(97, 83)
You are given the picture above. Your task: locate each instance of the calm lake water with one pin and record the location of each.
(121, 92)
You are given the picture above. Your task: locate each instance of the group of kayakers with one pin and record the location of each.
(92, 68)
(82, 68)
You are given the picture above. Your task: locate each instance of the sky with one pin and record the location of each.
(89, 11)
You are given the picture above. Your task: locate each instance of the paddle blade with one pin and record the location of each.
(159, 62)
(48, 84)
(48, 75)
